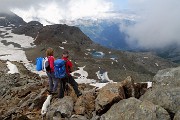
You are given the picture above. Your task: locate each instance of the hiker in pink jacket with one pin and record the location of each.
(53, 82)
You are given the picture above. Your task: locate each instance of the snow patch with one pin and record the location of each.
(149, 84)
(12, 53)
(99, 85)
(83, 76)
(114, 59)
(65, 42)
(24, 41)
(2, 17)
(61, 47)
(156, 64)
(12, 68)
(103, 76)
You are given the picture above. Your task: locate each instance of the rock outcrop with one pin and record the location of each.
(177, 116)
(168, 77)
(166, 90)
(134, 109)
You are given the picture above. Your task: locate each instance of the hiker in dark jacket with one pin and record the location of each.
(53, 82)
(68, 79)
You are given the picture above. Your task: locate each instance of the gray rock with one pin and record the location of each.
(62, 106)
(108, 95)
(78, 117)
(114, 92)
(134, 109)
(168, 77)
(168, 98)
(177, 116)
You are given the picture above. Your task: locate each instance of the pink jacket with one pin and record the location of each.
(51, 63)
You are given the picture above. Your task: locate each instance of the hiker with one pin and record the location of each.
(68, 79)
(53, 82)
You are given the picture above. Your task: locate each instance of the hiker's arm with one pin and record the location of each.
(70, 69)
(70, 66)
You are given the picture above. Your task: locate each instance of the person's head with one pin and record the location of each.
(49, 52)
(65, 54)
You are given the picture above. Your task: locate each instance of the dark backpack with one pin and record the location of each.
(60, 68)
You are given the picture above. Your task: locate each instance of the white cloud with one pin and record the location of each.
(63, 10)
(159, 25)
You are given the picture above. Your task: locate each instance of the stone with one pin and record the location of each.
(166, 97)
(85, 104)
(134, 109)
(108, 95)
(168, 77)
(177, 116)
(62, 106)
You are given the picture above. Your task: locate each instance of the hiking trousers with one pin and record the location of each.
(53, 82)
(63, 86)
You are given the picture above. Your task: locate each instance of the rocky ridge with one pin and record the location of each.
(22, 97)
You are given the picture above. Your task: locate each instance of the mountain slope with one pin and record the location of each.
(84, 52)
(8, 18)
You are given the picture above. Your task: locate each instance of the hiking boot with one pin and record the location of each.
(54, 93)
(79, 94)
(50, 92)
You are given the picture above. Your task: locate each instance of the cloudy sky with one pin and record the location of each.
(54, 10)
(159, 25)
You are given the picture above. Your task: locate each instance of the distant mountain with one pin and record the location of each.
(107, 33)
(84, 52)
(171, 53)
(8, 19)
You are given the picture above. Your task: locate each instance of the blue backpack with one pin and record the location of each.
(60, 68)
(39, 63)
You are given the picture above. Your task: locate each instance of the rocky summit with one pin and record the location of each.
(126, 94)
(23, 94)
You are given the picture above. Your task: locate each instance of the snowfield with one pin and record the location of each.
(11, 52)
(11, 49)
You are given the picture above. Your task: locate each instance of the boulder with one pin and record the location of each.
(166, 97)
(177, 116)
(63, 107)
(168, 77)
(114, 92)
(134, 109)
(108, 95)
(85, 104)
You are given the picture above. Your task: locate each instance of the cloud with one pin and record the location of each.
(56, 10)
(159, 25)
